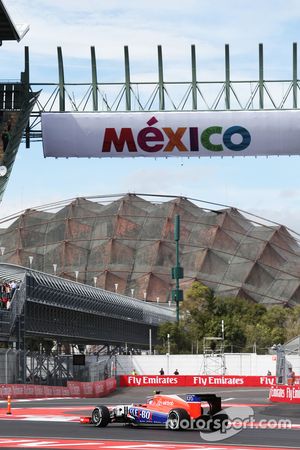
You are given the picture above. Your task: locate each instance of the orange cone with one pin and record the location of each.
(8, 405)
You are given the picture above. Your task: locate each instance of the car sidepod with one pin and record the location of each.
(140, 415)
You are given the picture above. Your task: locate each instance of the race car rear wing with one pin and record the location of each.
(214, 401)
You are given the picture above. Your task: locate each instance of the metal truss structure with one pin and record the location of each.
(160, 94)
(213, 356)
(128, 95)
(57, 369)
(54, 368)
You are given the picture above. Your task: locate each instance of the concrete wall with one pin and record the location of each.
(236, 364)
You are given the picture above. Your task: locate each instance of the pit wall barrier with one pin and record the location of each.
(285, 394)
(196, 381)
(73, 389)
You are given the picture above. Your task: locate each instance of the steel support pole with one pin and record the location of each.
(150, 341)
(94, 79)
(177, 271)
(127, 78)
(194, 78)
(261, 76)
(61, 81)
(295, 75)
(26, 82)
(160, 79)
(227, 77)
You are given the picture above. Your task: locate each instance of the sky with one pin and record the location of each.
(268, 187)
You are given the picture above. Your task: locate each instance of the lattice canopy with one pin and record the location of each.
(126, 244)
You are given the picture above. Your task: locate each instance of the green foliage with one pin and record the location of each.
(179, 338)
(293, 323)
(247, 325)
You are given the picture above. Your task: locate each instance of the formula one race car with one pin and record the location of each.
(169, 410)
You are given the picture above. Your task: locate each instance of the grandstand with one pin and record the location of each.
(125, 244)
(45, 305)
(16, 103)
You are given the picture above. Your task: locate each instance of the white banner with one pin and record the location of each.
(165, 134)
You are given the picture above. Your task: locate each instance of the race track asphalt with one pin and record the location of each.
(256, 398)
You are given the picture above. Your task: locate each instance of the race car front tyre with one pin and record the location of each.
(178, 419)
(100, 416)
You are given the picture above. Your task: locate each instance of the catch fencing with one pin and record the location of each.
(21, 367)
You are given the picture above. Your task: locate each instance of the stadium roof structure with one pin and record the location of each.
(8, 30)
(292, 347)
(125, 243)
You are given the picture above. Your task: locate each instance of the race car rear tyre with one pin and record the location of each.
(100, 416)
(207, 423)
(219, 422)
(178, 419)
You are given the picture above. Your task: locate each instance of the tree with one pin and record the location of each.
(293, 323)
(247, 324)
(179, 338)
